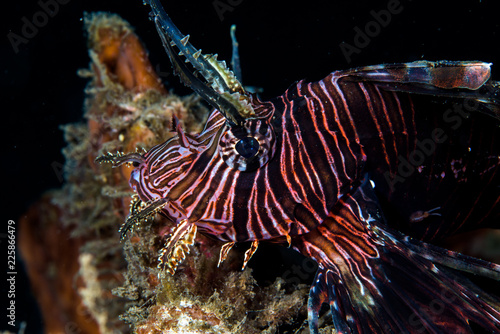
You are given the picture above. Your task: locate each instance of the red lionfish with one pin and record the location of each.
(338, 168)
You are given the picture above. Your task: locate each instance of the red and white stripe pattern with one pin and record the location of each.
(321, 129)
(378, 280)
(327, 134)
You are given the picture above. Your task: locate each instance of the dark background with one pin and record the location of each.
(280, 43)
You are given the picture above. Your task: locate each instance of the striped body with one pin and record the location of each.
(329, 133)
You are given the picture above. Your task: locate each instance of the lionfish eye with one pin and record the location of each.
(247, 147)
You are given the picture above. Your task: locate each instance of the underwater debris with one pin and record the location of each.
(82, 275)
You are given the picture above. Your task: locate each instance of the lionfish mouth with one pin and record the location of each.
(178, 241)
(183, 234)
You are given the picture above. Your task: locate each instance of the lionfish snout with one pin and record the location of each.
(180, 238)
(135, 179)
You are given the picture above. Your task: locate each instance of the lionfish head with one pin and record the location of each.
(179, 177)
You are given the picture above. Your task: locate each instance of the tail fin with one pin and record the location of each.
(380, 281)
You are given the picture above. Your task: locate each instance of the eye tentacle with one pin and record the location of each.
(235, 58)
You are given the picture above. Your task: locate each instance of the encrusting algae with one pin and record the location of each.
(84, 278)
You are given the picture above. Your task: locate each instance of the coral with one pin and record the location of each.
(51, 255)
(83, 277)
(200, 298)
(236, 308)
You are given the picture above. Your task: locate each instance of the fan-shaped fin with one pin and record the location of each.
(377, 280)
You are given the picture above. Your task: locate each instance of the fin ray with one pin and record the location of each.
(391, 282)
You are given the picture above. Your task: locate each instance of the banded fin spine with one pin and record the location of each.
(219, 87)
(140, 212)
(454, 79)
(441, 74)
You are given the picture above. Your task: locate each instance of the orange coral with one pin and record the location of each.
(50, 256)
(58, 234)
